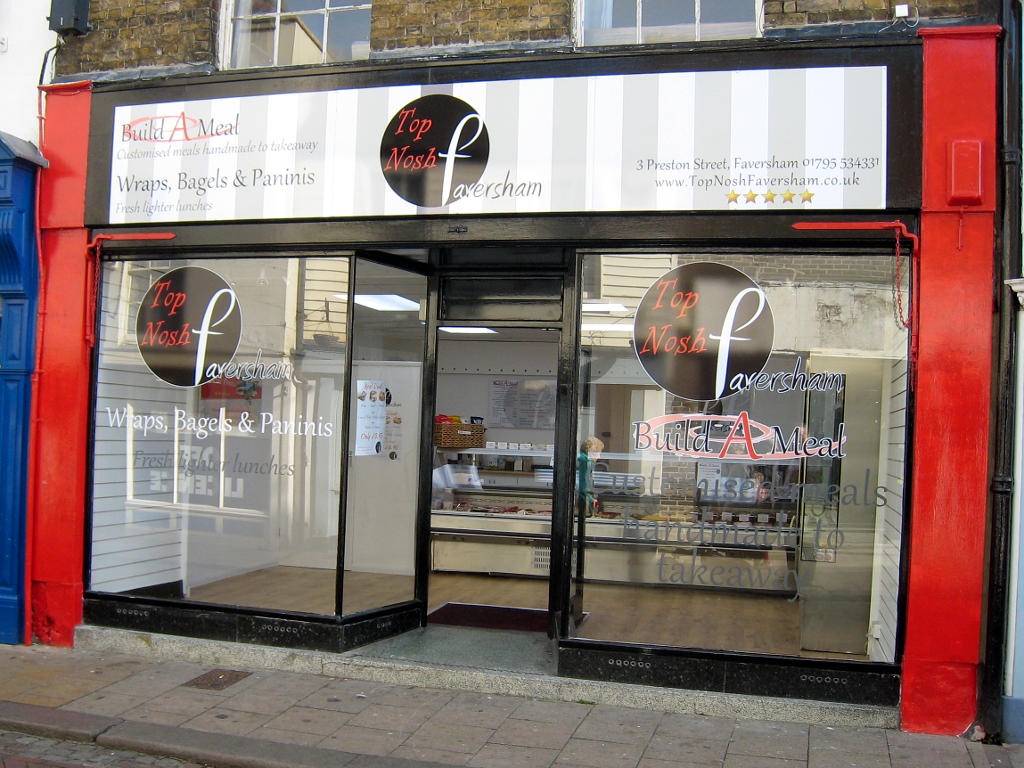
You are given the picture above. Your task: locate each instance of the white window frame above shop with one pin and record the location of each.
(133, 280)
(596, 24)
(290, 25)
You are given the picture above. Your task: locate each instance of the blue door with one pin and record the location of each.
(19, 163)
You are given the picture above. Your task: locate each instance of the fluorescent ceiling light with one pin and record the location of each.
(610, 327)
(593, 307)
(465, 329)
(387, 302)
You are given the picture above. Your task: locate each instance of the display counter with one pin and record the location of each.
(503, 532)
(634, 539)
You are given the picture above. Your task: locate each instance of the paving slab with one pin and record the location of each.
(366, 741)
(601, 754)
(847, 760)
(309, 720)
(450, 737)
(691, 751)
(531, 733)
(860, 740)
(509, 756)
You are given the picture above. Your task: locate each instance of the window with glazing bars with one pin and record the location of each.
(281, 33)
(632, 22)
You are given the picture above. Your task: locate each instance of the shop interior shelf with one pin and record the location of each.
(496, 452)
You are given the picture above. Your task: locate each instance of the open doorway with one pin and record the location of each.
(492, 481)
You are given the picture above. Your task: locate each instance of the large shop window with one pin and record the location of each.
(281, 33)
(632, 22)
(742, 439)
(218, 426)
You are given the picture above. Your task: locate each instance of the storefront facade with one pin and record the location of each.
(639, 351)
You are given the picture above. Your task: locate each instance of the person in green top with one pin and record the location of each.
(590, 449)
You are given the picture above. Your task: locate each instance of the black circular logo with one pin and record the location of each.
(189, 324)
(433, 148)
(702, 330)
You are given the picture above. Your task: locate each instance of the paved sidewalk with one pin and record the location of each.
(140, 711)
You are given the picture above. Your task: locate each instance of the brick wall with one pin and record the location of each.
(397, 24)
(167, 33)
(143, 33)
(802, 13)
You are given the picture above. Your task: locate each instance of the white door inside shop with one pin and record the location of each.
(383, 468)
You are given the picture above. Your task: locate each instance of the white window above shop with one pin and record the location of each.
(634, 22)
(283, 33)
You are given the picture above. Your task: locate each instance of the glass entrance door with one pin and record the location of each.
(492, 505)
(382, 499)
(498, 542)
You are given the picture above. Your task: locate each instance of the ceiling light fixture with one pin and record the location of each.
(387, 302)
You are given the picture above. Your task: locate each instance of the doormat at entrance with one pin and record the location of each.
(490, 617)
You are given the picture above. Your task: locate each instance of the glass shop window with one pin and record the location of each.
(281, 33)
(742, 434)
(217, 470)
(634, 22)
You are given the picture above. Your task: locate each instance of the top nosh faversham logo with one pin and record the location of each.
(189, 326)
(434, 144)
(702, 330)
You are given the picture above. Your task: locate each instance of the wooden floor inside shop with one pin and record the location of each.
(655, 615)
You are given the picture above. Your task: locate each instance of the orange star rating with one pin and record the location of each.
(750, 196)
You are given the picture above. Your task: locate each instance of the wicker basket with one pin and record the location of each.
(459, 435)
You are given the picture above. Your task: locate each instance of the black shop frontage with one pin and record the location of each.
(554, 346)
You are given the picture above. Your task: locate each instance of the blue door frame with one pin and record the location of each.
(19, 163)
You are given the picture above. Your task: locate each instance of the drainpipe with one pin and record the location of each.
(1008, 266)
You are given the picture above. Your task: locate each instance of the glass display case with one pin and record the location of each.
(491, 513)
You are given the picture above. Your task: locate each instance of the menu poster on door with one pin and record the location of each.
(393, 427)
(371, 417)
(708, 473)
(522, 403)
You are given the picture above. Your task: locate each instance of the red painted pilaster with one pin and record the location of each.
(954, 379)
(60, 434)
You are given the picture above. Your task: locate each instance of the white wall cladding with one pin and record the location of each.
(889, 522)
